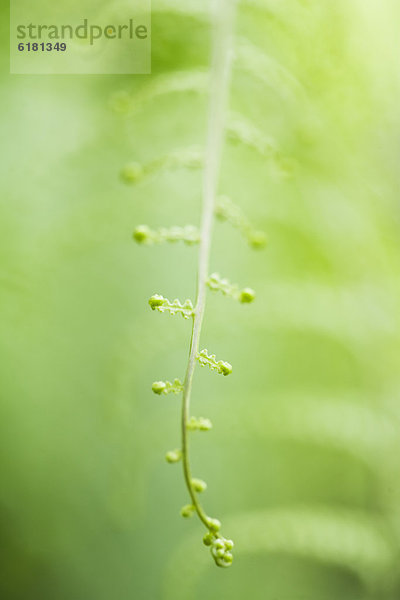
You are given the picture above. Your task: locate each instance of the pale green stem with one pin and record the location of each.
(219, 90)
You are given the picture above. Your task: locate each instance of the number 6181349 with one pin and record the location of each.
(43, 46)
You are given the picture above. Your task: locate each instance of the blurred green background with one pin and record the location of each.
(302, 463)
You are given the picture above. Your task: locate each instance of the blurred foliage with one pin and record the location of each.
(302, 463)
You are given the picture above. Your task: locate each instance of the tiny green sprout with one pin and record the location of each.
(208, 539)
(142, 234)
(225, 367)
(204, 424)
(187, 510)
(162, 304)
(247, 295)
(188, 158)
(216, 283)
(156, 301)
(220, 551)
(226, 210)
(166, 387)
(199, 485)
(132, 173)
(214, 524)
(173, 456)
(240, 130)
(225, 560)
(188, 234)
(158, 387)
(222, 367)
(199, 424)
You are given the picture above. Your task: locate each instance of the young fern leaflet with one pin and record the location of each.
(220, 76)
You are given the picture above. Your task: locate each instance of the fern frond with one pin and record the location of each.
(177, 82)
(216, 283)
(239, 131)
(346, 424)
(222, 367)
(189, 158)
(188, 234)
(242, 130)
(162, 304)
(248, 57)
(166, 387)
(226, 210)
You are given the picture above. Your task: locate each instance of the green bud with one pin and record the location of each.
(204, 424)
(158, 387)
(208, 539)
(173, 456)
(229, 544)
(142, 234)
(247, 295)
(187, 510)
(199, 485)
(132, 173)
(223, 561)
(155, 301)
(226, 368)
(192, 424)
(228, 557)
(200, 423)
(214, 524)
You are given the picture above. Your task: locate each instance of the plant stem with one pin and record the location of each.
(219, 83)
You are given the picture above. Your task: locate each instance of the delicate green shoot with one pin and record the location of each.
(220, 550)
(188, 234)
(173, 456)
(188, 510)
(199, 485)
(220, 75)
(222, 367)
(166, 387)
(216, 283)
(162, 304)
(241, 130)
(198, 424)
(227, 211)
(247, 295)
(214, 524)
(189, 158)
(194, 81)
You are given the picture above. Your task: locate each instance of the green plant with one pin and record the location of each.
(225, 210)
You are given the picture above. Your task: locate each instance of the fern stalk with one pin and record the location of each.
(219, 84)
